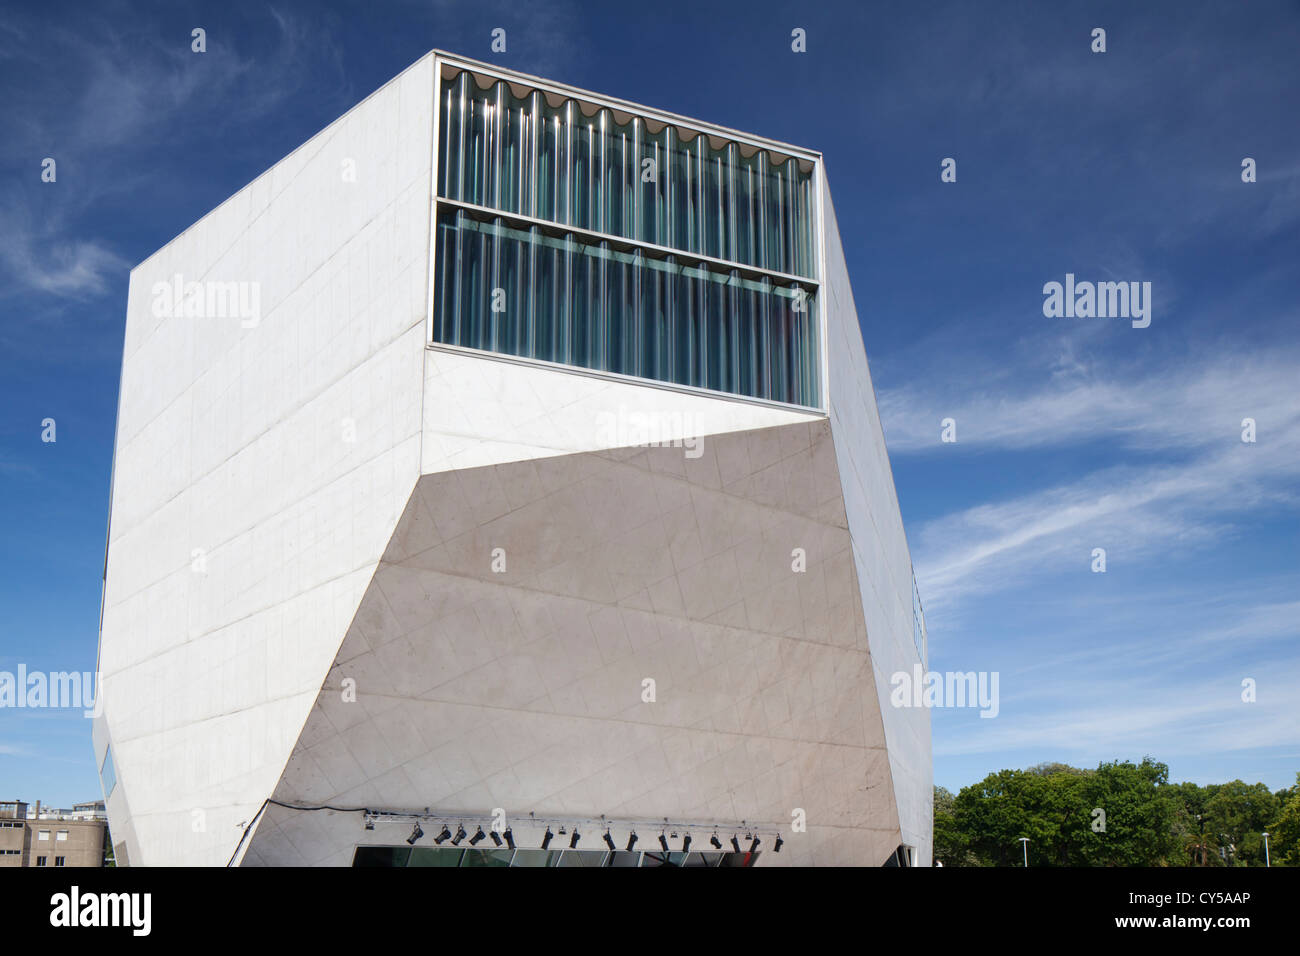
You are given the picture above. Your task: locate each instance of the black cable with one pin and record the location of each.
(288, 806)
(295, 806)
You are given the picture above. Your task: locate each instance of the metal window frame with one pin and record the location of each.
(653, 250)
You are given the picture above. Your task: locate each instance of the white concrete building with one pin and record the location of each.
(507, 457)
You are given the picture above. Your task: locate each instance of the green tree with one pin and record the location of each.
(1120, 814)
(949, 840)
(1284, 834)
(994, 814)
(1139, 807)
(990, 818)
(1236, 815)
(1049, 768)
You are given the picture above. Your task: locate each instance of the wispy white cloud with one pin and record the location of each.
(1133, 513)
(1160, 474)
(1185, 475)
(42, 260)
(1144, 713)
(121, 98)
(1190, 405)
(1244, 624)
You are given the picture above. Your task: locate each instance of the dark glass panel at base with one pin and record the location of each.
(487, 858)
(582, 858)
(403, 856)
(536, 858)
(384, 856)
(435, 856)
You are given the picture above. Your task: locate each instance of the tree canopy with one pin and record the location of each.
(1120, 814)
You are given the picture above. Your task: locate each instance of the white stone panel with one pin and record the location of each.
(879, 545)
(480, 410)
(261, 464)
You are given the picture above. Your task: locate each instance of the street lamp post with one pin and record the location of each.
(1266, 859)
(1024, 843)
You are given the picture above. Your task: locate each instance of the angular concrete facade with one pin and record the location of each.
(351, 567)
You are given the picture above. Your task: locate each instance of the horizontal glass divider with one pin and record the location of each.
(543, 85)
(628, 245)
(625, 379)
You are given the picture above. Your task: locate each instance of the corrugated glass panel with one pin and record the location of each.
(544, 294)
(578, 165)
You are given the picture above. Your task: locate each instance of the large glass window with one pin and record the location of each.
(550, 157)
(108, 773)
(545, 294)
(585, 235)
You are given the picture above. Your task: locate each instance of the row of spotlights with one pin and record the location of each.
(631, 841)
(477, 838)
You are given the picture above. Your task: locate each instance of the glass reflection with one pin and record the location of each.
(534, 294)
(578, 165)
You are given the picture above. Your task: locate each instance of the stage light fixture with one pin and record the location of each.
(496, 837)
(546, 838)
(717, 844)
(686, 843)
(735, 843)
(776, 847)
(416, 833)
(631, 841)
(573, 840)
(510, 838)
(663, 842)
(460, 835)
(609, 841)
(753, 847)
(478, 837)
(442, 837)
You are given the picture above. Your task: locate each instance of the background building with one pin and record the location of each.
(32, 836)
(508, 452)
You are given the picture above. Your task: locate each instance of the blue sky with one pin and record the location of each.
(1072, 434)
